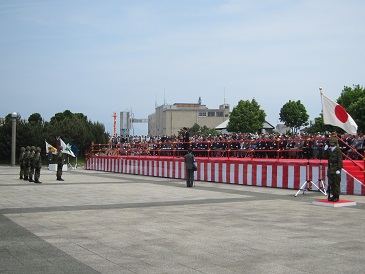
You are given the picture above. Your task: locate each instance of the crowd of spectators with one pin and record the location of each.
(292, 146)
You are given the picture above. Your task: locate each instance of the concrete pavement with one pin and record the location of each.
(97, 222)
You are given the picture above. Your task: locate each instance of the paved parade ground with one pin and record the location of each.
(98, 222)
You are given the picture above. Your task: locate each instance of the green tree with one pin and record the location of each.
(200, 130)
(75, 128)
(246, 117)
(5, 138)
(71, 127)
(22, 137)
(194, 130)
(36, 130)
(206, 131)
(35, 118)
(294, 115)
(350, 95)
(97, 133)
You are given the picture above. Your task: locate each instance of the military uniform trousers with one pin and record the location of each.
(31, 173)
(37, 174)
(22, 171)
(26, 170)
(59, 171)
(334, 183)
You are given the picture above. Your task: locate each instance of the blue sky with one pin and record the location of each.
(100, 57)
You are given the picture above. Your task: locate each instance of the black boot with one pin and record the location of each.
(60, 179)
(330, 199)
(21, 177)
(31, 179)
(37, 182)
(336, 198)
(25, 178)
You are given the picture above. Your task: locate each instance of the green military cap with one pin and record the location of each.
(28, 148)
(22, 149)
(33, 148)
(38, 149)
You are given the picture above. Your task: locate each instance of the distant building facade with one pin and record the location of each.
(170, 119)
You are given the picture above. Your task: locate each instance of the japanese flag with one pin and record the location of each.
(336, 115)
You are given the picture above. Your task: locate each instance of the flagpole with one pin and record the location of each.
(320, 92)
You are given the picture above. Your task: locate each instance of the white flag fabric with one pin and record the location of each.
(54, 150)
(66, 148)
(335, 115)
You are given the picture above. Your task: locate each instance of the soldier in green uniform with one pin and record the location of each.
(31, 163)
(37, 166)
(21, 162)
(59, 160)
(334, 155)
(26, 162)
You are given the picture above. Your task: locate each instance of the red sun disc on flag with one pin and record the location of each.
(341, 114)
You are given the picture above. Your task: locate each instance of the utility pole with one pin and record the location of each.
(115, 123)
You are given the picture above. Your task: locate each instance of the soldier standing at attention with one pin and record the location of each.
(21, 162)
(37, 166)
(59, 160)
(334, 156)
(31, 163)
(26, 163)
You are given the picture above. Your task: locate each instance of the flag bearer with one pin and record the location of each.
(59, 160)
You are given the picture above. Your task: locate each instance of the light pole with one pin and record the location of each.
(132, 118)
(14, 115)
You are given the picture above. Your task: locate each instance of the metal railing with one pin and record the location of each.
(299, 148)
(259, 148)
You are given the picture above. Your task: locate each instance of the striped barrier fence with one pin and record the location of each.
(283, 173)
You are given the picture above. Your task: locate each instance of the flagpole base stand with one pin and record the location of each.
(340, 203)
(308, 186)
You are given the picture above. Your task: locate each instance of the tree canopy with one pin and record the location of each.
(200, 130)
(246, 117)
(71, 127)
(294, 115)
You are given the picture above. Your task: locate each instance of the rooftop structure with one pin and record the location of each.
(170, 119)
